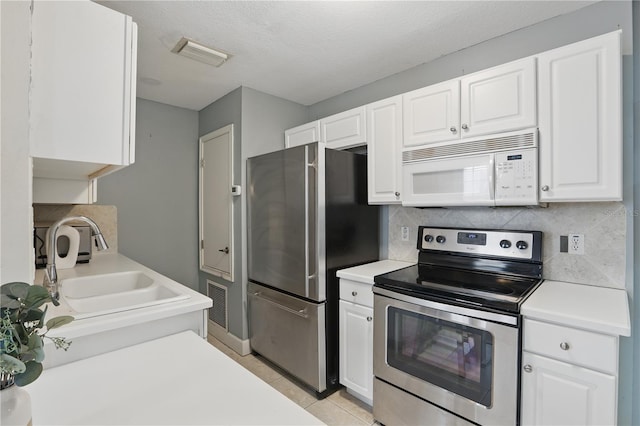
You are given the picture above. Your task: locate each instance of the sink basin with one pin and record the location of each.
(107, 293)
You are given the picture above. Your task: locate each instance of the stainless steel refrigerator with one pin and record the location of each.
(307, 217)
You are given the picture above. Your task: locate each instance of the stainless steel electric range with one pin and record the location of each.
(447, 330)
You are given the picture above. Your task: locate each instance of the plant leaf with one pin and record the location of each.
(59, 321)
(7, 302)
(32, 372)
(9, 363)
(36, 296)
(15, 289)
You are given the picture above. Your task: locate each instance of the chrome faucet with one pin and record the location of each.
(51, 274)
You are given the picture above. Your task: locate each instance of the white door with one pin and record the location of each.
(432, 114)
(384, 165)
(356, 348)
(499, 99)
(580, 97)
(216, 203)
(557, 393)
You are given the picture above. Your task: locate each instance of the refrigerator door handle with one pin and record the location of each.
(301, 313)
(310, 218)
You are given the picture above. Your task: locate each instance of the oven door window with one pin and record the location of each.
(452, 356)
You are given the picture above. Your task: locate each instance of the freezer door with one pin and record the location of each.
(282, 232)
(289, 332)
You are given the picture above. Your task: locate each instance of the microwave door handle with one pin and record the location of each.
(492, 179)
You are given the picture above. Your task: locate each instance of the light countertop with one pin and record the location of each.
(365, 273)
(180, 380)
(605, 310)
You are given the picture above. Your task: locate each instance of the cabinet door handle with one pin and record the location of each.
(369, 319)
(565, 346)
(465, 127)
(224, 250)
(545, 188)
(453, 129)
(397, 194)
(527, 368)
(354, 293)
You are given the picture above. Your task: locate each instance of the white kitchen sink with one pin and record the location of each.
(95, 295)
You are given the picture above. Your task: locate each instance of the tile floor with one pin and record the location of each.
(340, 408)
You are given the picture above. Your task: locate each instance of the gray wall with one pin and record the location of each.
(259, 121)
(584, 23)
(157, 197)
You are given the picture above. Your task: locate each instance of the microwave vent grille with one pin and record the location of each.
(491, 144)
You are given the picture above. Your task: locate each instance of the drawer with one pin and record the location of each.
(578, 347)
(356, 292)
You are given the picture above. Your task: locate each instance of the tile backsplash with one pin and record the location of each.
(106, 217)
(603, 225)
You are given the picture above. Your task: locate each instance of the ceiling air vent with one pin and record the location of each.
(200, 53)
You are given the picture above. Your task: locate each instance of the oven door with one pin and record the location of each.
(448, 356)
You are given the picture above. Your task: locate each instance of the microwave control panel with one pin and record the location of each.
(516, 174)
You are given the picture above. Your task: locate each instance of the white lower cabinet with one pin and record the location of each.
(569, 376)
(356, 349)
(559, 393)
(356, 338)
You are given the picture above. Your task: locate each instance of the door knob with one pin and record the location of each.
(465, 127)
(527, 368)
(354, 293)
(369, 319)
(545, 188)
(224, 250)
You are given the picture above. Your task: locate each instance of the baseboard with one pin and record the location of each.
(240, 346)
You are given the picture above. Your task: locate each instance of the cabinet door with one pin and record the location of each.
(499, 99)
(344, 130)
(384, 162)
(356, 348)
(302, 135)
(580, 121)
(83, 83)
(558, 393)
(432, 114)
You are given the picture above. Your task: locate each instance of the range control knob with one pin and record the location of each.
(428, 238)
(522, 245)
(505, 244)
(440, 239)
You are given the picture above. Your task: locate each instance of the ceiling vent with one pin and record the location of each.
(200, 53)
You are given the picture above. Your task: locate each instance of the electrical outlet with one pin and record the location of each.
(404, 233)
(576, 244)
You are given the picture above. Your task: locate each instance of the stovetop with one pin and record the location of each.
(490, 269)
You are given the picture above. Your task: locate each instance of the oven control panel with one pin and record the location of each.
(511, 244)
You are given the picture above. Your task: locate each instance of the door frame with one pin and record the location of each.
(202, 140)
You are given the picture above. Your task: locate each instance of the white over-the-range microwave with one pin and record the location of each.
(495, 170)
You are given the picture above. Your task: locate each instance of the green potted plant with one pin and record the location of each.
(23, 330)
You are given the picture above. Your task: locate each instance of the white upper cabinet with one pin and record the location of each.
(432, 114)
(82, 90)
(384, 130)
(302, 135)
(499, 99)
(496, 100)
(344, 130)
(580, 103)
(339, 131)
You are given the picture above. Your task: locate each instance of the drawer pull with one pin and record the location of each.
(369, 319)
(354, 293)
(564, 346)
(527, 368)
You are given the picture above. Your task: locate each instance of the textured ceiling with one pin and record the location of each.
(308, 51)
